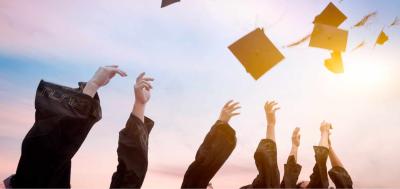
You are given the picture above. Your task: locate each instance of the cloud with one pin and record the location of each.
(184, 47)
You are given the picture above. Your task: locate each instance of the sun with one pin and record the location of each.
(364, 71)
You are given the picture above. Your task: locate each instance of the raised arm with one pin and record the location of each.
(133, 140)
(292, 168)
(270, 109)
(64, 116)
(214, 151)
(295, 143)
(335, 161)
(266, 153)
(338, 174)
(319, 177)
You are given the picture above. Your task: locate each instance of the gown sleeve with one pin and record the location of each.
(319, 177)
(63, 118)
(132, 153)
(267, 166)
(291, 174)
(211, 155)
(340, 177)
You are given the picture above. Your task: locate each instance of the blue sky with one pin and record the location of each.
(184, 46)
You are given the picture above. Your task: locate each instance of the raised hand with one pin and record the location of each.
(295, 142)
(325, 127)
(228, 111)
(296, 137)
(142, 95)
(142, 89)
(101, 78)
(325, 130)
(270, 109)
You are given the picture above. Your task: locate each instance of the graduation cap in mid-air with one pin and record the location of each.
(331, 15)
(256, 53)
(328, 37)
(382, 38)
(165, 3)
(335, 63)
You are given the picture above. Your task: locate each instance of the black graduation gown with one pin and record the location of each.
(132, 153)
(63, 119)
(211, 155)
(291, 174)
(340, 177)
(267, 166)
(319, 177)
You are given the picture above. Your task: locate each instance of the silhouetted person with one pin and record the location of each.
(133, 140)
(214, 151)
(338, 174)
(63, 119)
(319, 177)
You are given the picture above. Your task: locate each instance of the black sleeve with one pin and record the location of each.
(267, 166)
(132, 153)
(211, 155)
(291, 174)
(340, 177)
(63, 119)
(319, 177)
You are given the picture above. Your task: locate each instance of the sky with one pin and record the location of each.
(184, 47)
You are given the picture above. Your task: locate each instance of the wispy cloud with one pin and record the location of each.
(185, 47)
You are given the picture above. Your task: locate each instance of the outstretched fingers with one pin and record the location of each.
(271, 106)
(276, 109)
(235, 114)
(228, 103)
(114, 70)
(229, 110)
(145, 85)
(141, 75)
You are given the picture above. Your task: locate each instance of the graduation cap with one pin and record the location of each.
(335, 63)
(256, 53)
(331, 15)
(328, 37)
(382, 38)
(165, 3)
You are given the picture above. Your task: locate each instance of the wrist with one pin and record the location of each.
(140, 105)
(324, 133)
(223, 120)
(138, 110)
(90, 88)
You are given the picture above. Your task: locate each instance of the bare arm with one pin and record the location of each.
(270, 109)
(295, 143)
(338, 174)
(335, 161)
